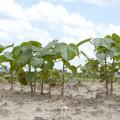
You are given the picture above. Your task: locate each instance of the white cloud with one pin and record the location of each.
(104, 2)
(69, 0)
(16, 31)
(3, 35)
(57, 14)
(12, 9)
(48, 11)
(70, 24)
(72, 27)
(61, 0)
(60, 19)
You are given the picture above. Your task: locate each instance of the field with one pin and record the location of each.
(32, 87)
(86, 101)
(59, 60)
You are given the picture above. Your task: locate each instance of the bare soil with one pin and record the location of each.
(86, 101)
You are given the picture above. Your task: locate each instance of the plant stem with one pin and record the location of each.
(31, 85)
(11, 81)
(112, 77)
(35, 80)
(63, 81)
(50, 87)
(93, 74)
(42, 85)
(106, 76)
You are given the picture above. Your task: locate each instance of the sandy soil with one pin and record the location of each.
(86, 101)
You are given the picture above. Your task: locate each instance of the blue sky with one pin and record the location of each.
(65, 20)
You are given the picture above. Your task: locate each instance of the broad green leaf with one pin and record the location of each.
(59, 47)
(47, 52)
(108, 36)
(91, 65)
(104, 42)
(17, 51)
(51, 44)
(101, 56)
(44, 52)
(115, 51)
(37, 62)
(74, 48)
(25, 56)
(66, 52)
(116, 38)
(8, 56)
(34, 45)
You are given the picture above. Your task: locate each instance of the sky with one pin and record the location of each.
(65, 20)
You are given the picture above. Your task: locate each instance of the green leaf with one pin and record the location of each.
(103, 42)
(116, 38)
(51, 44)
(33, 45)
(8, 56)
(16, 51)
(37, 62)
(115, 51)
(59, 46)
(47, 52)
(66, 52)
(44, 52)
(108, 36)
(74, 48)
(101, 56)
(25, 56)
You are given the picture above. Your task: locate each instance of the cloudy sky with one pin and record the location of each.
(65, 20)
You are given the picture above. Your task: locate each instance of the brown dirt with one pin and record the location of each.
(86, 101)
